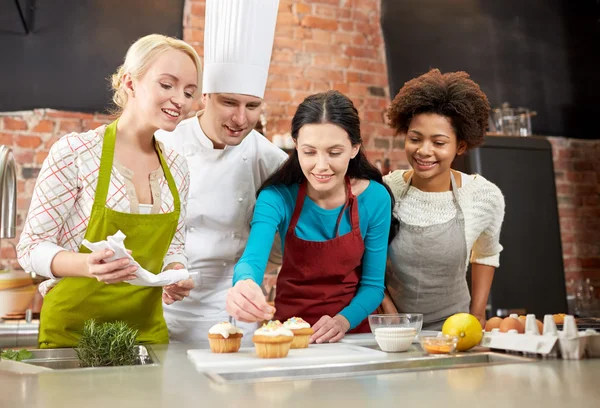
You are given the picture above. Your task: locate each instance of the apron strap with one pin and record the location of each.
(406, 187)
(454, 187)
(350, 202)
(452, 181)
(454, 193)
(106, 164)
(459, 211)
(298, 206)
(169, 177)
(353, 206)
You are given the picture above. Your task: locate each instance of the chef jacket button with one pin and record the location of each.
(233, 235)
(240, 199)
(244, 158)
(224, 263)
(192, 229)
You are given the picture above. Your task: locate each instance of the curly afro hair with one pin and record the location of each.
(452, 95)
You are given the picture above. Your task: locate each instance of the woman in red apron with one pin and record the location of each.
(116, 177)
(334, 216)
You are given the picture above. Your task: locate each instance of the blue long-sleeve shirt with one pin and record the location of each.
(274, 208)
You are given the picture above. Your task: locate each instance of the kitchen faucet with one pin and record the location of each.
(8, 193)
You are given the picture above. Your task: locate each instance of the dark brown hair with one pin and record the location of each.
(335, 108)
(452, 95)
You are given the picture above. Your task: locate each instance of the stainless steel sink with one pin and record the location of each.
(368, 368)
(66, 358)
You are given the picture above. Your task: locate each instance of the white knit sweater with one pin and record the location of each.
(482, 204)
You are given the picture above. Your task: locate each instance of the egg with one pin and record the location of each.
(511, 323)
(523, 320)
(540, 326)
(493, 323)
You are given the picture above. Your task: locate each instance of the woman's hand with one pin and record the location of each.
(387, 305)
(330, 329)
(480, 315)
(246, 302)
(115, 271)
(177, 291)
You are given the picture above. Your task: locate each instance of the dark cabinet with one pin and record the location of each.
(531, 273)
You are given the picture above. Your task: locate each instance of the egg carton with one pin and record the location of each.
(524, 343)
(568, 344)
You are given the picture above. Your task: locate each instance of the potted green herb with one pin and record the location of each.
(107, 344)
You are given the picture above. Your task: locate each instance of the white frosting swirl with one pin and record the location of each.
(225, 329)
(295, 323)
(273, 328)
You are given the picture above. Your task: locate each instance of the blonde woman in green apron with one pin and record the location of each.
(112, 178)
(447, 218)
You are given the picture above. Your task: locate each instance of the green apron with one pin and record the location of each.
(74, 300)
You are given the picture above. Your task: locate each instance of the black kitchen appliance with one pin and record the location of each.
(531, 273)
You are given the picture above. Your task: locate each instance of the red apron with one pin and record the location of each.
(320, 278)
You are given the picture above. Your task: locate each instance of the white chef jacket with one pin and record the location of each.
(223, 185)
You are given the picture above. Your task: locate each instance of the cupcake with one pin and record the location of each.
(272, 340)
(225, 338)
(302, 331)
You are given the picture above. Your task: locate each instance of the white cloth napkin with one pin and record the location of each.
(144, 277)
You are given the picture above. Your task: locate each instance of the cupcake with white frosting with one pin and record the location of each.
(301, 329)
(272, 340)
(225, 338)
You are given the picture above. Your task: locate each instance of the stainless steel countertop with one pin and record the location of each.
(176, 383)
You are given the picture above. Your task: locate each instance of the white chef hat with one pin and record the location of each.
(238, 40)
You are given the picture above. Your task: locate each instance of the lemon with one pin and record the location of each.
(466, 327)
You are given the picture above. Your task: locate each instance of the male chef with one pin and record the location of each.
(228, 160)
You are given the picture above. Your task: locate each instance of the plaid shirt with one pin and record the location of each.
(62, 200)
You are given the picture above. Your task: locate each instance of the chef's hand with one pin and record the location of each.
(177, 291)
(109, 272)
(330, 329)
(247, 303)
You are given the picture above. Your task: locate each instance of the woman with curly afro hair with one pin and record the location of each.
(447, 218)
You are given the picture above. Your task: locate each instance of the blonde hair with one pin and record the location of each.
(140, 56)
